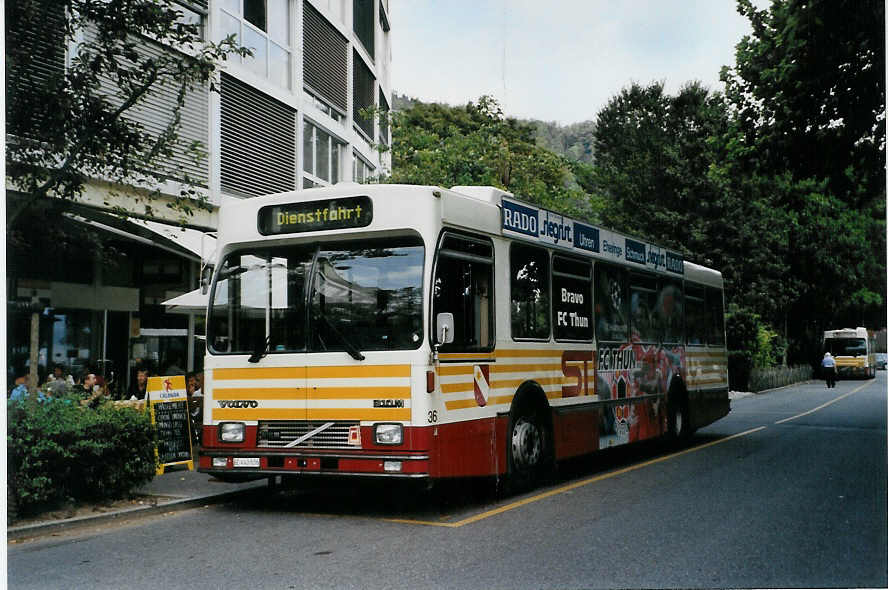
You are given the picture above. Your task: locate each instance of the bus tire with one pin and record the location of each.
(679, 423)
(529, 447)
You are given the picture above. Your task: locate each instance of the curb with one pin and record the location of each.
(69, 524)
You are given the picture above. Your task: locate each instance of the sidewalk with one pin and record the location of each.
(172, 491)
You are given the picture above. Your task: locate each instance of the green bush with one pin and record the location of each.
(60, 451)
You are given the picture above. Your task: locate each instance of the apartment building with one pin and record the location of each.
(291, 116)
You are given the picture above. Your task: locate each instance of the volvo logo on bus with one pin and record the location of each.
(238, 403)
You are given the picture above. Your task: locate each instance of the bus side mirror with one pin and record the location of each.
(206, 276)
(444, 328)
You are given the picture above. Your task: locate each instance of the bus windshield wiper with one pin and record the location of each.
(349, 347)
(261, 350)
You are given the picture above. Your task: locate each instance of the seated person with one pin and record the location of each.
(139, 387)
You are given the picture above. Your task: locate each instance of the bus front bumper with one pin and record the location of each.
(249, 464)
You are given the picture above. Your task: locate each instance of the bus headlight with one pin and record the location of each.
(388, 434)
(232, 432)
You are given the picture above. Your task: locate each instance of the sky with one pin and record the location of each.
(557, 60)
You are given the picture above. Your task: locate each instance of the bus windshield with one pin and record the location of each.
(351, 296)
(845, 346)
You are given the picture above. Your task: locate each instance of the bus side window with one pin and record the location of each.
(463, 286)
(643, 304)
(611, 304)
(529, 287)
(670, 309)
(715, 317)
(572, 299)
(695, 326)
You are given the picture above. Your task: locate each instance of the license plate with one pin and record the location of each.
(246, 461)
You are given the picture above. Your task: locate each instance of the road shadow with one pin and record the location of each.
(446, 501)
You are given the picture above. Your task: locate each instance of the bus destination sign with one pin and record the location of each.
(540, 225)
(290, 218)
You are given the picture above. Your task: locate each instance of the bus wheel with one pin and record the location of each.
(528, 450)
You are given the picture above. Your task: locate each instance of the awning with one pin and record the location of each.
(186, 242)
(198, 242)
(191, 302)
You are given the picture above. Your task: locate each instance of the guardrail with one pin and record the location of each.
(772, 377)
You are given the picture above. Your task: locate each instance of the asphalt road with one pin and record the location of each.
(789, 490)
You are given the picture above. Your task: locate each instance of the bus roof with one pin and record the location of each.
(478, 208)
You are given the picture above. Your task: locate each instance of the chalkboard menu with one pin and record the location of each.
(169, 413)
(173, 434)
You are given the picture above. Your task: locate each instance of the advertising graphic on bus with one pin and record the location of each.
(417, 332)
(854, 351)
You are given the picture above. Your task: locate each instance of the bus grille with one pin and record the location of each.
(281, 433)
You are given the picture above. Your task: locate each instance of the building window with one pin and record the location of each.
(322, 155)
(258, 154)
(363, 96)
(361, 170)
(324, 61)
(383, 119)
(325, 108)
(363, 24)
(264, 27)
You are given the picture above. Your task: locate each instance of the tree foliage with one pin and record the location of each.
(67, 124)
(663, 168)
(808, 96)
(475, 144)
(780, 182)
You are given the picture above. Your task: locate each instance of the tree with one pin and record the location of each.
(477, 145)
(663, 167)
(67, 124)
(808, 96)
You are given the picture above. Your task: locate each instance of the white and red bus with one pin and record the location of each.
(417, 332)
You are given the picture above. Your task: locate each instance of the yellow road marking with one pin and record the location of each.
(821, 406)
(568, 487)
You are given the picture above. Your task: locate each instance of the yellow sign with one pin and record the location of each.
(168, 402)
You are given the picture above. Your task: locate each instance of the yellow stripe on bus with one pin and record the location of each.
(504, 354)
(514, 383)
(359, 393)
(358, 371)
(457, 387)
(259, 393)
(345, 372)
(452, 370)
(525, 368)
(713, 381)
(259, 373)
(270, 393)
(377, 414)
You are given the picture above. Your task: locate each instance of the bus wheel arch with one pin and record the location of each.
(530, 451)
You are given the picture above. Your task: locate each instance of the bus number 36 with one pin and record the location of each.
(433, 416)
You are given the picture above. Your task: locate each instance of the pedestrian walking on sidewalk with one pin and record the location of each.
(829, 369)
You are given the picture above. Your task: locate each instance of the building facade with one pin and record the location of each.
(294, 115)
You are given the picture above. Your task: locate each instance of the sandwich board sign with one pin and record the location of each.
(168, 403)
